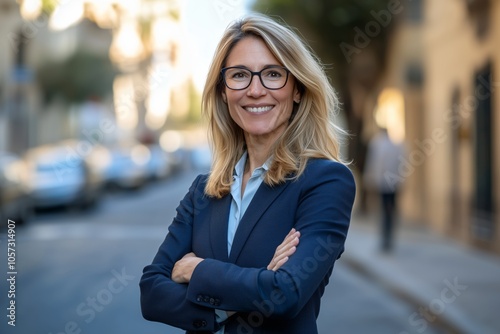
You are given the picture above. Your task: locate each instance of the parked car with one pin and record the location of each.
(126, 166)
(61, 176)
(15, 202)
(159, 164)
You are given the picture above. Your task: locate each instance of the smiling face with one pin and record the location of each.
(262, 113)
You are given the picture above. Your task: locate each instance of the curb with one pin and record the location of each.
(441, 321)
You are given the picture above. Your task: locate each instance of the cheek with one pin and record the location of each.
(232, 98)
(233, 108)
(233, 113)
(232, 102)
(287, 105)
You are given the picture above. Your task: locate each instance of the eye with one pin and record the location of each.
(237, 74)
(273, 73)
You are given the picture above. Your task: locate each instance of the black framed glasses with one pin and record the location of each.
(271, 77)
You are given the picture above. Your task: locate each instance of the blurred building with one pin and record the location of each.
(444, 59)
(160, 82)
(31, 42)
(47, 68)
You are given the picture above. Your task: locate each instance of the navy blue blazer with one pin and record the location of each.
(318, 204)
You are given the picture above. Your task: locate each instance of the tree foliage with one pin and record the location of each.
(77, 78)
(327, 24)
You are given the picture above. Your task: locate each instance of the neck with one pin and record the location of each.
(258, 151)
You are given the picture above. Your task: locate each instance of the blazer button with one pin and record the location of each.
(212, 301)
(217, 302)
(199, 298)
(203, 323)
(206, 299)
(197, 323)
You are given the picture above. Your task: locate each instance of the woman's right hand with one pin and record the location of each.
(284, 250)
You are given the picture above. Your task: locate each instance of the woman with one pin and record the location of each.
(232, 261)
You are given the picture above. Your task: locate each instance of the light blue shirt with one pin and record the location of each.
(239, 205)
(240, 202)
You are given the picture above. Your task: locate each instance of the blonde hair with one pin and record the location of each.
(311, 132)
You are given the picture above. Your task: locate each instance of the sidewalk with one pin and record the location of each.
(451, 285)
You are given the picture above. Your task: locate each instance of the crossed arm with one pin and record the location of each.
(183, 269)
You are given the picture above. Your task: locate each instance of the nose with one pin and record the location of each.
(256, 88)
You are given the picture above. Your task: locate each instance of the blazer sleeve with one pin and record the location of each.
(322, 216)
(162, 299)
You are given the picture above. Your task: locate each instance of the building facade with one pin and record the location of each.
(445, 59)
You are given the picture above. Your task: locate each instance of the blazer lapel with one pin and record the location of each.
(218, 227)
(262, 199)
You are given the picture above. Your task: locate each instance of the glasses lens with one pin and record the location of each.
(237, 78)
(273, 77)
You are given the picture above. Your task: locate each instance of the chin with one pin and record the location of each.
(259, 132)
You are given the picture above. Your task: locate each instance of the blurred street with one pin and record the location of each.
(81, 272)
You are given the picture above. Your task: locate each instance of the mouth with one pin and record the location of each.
(258, 110)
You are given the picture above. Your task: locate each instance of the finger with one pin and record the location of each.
(286, 248)
(280, 257)
(280, 263)
(277, 255)
(288, 236)
(289, 239)
(293, 241)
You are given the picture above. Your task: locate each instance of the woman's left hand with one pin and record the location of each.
(284, 250)
(183, 269)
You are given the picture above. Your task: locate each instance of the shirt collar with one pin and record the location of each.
(239, 169)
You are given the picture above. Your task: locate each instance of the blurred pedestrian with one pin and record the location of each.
(382, 175)
(232, 261)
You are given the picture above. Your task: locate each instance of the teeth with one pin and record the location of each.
(258, 109)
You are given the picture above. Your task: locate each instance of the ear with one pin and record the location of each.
(296, 95)
(224, 97)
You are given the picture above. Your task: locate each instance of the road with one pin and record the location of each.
(79, 272)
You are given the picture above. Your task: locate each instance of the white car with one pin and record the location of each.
(126, 166)
(60, 175)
